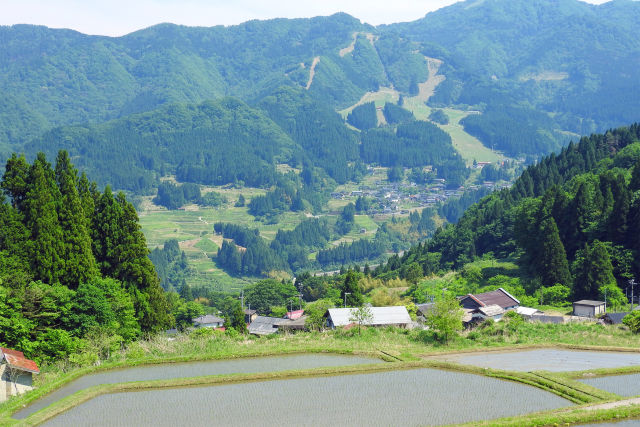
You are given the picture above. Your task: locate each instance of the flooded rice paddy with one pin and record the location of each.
(623, 385)
(546, 360)
(195, 369)
(407, 397)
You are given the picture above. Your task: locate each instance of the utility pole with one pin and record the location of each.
(299, 301)
(345, 298)
(632, 283)
(242, 299)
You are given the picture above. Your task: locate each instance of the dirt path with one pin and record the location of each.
(611, 405)
(355, 35)
(312, 71)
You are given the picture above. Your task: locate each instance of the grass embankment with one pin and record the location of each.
(403, 347)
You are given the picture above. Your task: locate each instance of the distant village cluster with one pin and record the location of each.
(399, 197)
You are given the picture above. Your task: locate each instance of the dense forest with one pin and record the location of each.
(73, 262)
(571, 220)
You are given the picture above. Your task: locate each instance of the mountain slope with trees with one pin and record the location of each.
(571, 219)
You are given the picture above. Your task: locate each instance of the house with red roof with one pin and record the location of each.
(16, 373)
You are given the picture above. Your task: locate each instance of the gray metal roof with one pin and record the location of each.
(491, 310)
(263, 325)
(396, 315)
(589, 302)
(208, 319)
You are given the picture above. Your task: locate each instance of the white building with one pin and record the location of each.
(381, 316)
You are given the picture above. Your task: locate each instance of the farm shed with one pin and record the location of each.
(498, 297)
(263, 325)
(588, 308)
(208, 321)
(16, 373)
(381, 316)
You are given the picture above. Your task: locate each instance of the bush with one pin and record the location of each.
(632, 320)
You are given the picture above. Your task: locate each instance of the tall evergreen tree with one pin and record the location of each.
(79, 263)
(351, 290)
(41, 203)
(593, 270)
(554, 267)
(15, 180)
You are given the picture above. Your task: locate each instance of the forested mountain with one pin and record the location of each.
(216, 142)
(567, 57)
(572, 219)
(520, 58)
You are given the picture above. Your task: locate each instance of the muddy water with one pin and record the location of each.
(195, 369)
(410, 397)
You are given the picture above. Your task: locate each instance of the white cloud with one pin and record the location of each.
(118, 17)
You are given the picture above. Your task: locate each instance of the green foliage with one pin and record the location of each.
(395, 114)
(363, 116)
(269, 293)
(445, 318)
(362, 316)
(315, 312)
(632, 321)
(556, 295)
(439, 116)
(350, 293)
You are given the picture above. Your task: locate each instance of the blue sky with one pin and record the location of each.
(118, 17)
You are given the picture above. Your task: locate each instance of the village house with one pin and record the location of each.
(498, 297)
(588, 308)
(381, 316)
(16, 373)
(208, 321)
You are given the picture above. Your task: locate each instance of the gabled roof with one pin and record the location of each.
(396, 315)
(249, 312)
(498, 297)
(208, 319)
(16, 360)
(263, 325)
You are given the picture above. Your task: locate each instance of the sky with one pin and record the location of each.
(119, 17)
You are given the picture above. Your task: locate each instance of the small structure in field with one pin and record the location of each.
(380, 316)
(588, 308)
(527, 311)
(498, 297)
(16, 373)
(614, 318)
(208, 321)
